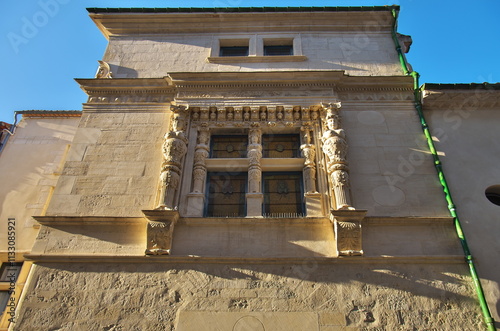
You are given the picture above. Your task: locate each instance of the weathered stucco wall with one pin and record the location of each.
(113, 165)
(30, 165)
(304, 296)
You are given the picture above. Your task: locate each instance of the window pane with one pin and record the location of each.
(278, 50)
(228, 146)
(280, 145)
(10, 270)
(233, 51)
(283, 194)
(4, 299)
(226, 194)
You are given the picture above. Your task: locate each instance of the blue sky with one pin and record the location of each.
(453, 42)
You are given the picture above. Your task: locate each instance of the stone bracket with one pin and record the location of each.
(160, 230)
(347, 227)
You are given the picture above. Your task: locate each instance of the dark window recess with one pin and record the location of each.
(283, 194)
(233, 51)
(4, 299)
(280, 145)
(226, 194)
(10, 271)
(278, 50)
(228, 146)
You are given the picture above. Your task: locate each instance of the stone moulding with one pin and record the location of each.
(91, 220)
(384, 259)
(119, 91)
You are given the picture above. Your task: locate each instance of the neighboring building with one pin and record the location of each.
(244, 169)
(464, 120)
(31, 161)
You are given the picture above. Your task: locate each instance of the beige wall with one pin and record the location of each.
(113, 165)
(468, 141)
(30, 165)
(359, 54)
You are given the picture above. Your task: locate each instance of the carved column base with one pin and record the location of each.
(254, 204)
(160, 230)
(195, 204)
(314, 204)
(347, 224)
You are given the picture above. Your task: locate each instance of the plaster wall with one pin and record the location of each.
(113, 165)
(359, 54)
(468, 141)
(201, 296)
(391, 169)
(30, 165)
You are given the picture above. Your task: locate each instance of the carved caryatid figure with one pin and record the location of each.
(335, 149)
(200, 154)
(309, 155)
(174, 149)
(104, 71)
(254, 154)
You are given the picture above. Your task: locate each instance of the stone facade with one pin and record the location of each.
(248, 192)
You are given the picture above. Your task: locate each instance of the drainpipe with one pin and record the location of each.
(437, 163)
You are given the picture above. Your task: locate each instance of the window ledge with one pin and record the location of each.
(256, 59)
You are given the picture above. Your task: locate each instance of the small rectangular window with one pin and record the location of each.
(280, 145)
(4, 299)
(226, 194)
(278, 50)
(233, 51)
(10, 271)
(283, 194)
(228, 146)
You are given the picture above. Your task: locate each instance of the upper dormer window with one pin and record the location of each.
(234, 47)
(277, 47)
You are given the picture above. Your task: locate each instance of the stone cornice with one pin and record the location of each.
(461, 99)
(128, 23)
(288, 79)
(115, 91)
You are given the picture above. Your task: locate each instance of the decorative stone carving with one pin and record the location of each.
(347, 224)
(174, 149)
(160, 231)
(254, 154)
(309, 154)
(200, 154)
(335, 149)
(104, 71)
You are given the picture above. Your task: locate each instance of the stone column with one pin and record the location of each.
(335, 149)
(174, 149)
(313, 199)
(196, 199)
(254, 196)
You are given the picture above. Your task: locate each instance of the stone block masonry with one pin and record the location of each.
(281, 296)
